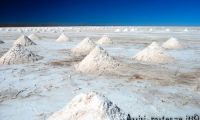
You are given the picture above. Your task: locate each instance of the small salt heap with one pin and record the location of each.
(167, 30)
(34, 37)
(36, 31)
(63, 38)
(84, 47)
(54, 31)
(43, 30)
(132, 30)
(8, 29)
(97, 60)
(19, 30)
(24, 41)
(117, 30)
(78, 30)
(172, 43)
(125, 30)
(104, 40)
(153, 53)
(62, 30)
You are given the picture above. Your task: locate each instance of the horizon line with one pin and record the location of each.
(52, 25)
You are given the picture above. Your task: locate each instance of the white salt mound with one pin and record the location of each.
(172, 43)
(167, 30)
(54, 31)
(185, 30)
(97, 60)
(132, 29)
(78, 31)
(63, 38)
(36, 31)
(153, 53)
(34, 37)
(24, 41)
(125, 30)
(25, 30)
(104, 40)
(62, 31)
(19, 30)
(8, 30)
(117, 30)
(90, 106)
(18, 55)
(1, 42)
(85, 46)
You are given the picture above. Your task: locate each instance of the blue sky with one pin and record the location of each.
(101, 12)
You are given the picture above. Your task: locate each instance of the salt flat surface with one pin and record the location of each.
(34, 91)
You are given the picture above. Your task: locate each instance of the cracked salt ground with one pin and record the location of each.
(40, 88)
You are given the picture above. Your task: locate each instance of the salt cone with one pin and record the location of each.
(24, 41)
(172, 43)
(90, 106)
(63, 38)
(18, 55)
(54, 31)
(153, 53)
(97, 60)
(84, 47)
(104, 40)
(34, 37)
(117, 30)
(125, 30)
